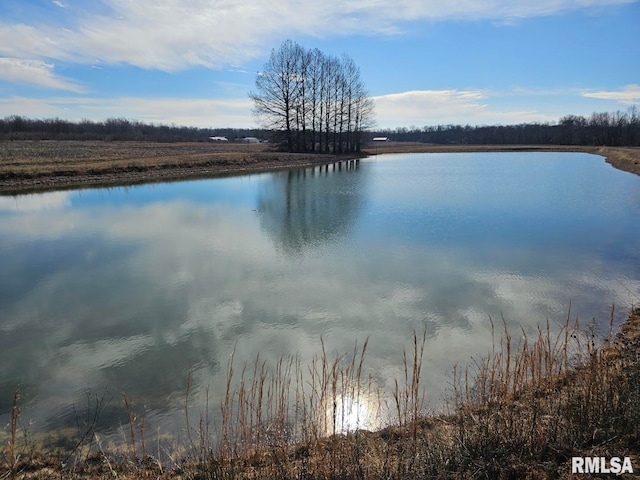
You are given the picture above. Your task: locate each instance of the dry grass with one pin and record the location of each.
(40, 165)
(531, 406)
(623, 158)
(521, 412)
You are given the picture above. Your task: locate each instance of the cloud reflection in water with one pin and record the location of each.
(133, 289)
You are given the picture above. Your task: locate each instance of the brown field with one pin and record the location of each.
(31, 166)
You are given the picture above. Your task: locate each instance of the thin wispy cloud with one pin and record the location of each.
(430, 107)
(421, 107)
(175, 34)
(629, 95)
(543, 92)
(406, 109)
(200, 112)
(35, 72)
(34, 42)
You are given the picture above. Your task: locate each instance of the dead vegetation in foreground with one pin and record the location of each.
(521, 412)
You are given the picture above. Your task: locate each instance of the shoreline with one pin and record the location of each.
(38, 166)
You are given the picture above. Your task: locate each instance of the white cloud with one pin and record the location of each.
(388, 14)
(198, 112)
(193, 111)
(405, 109)
(539, 92)
(432, 107)
(35, 72)
(426, 107)
(27, 41)
(629, 95)
(171, 35)
(176, 34)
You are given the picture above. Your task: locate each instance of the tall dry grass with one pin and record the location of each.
(288, 420)
(541, 400)
(521, 411)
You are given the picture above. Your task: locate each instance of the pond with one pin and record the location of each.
(141, 289)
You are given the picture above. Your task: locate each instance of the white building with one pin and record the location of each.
(248, 140)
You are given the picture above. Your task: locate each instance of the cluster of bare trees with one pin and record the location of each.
(316, 102)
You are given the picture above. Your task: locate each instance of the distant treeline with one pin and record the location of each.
(612, 129)
(114, 129)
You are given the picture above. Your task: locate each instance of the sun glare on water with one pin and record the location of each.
(348, 413)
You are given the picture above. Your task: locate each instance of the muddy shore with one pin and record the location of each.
(35, 166)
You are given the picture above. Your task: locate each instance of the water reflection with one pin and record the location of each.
(134, 290)
(351, 412)
(306, 208)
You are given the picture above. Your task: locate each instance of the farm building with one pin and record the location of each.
(248, 140)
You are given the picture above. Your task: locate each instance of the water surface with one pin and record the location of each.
(132, 289)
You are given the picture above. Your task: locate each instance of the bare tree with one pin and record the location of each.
(314, 72)
(316, 101)
(278, 91)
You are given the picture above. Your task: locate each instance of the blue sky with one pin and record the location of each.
(425, 62)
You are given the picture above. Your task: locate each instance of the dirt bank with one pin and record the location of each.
(33, 166)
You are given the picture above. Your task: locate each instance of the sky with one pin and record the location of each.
(424, 62)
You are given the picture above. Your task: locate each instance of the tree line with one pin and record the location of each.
(16, 127)
(611, 129)
(317, 102)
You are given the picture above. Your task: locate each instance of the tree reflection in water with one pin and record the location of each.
(303, 209)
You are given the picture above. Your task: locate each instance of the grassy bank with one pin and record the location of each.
(33, 166)
(521, 412)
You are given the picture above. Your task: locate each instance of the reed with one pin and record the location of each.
(132, 429)
(527, 406)
(522, 411)
(11, 447)
(546, 397)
